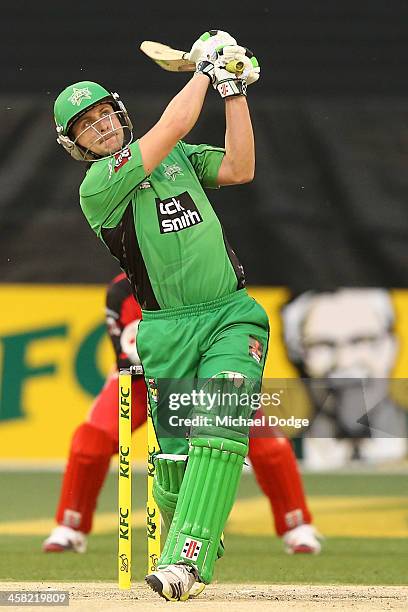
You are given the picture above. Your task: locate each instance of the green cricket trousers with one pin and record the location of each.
(201, 341)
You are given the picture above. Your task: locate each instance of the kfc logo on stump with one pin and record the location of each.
(177, 213)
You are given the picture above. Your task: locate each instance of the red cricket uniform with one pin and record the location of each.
(95, 441)
(121, 311)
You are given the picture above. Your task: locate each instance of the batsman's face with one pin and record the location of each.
(99, 130)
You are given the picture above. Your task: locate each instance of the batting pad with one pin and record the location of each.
(166, 485)
(205, 500)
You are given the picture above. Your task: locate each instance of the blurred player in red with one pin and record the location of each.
(95, 442)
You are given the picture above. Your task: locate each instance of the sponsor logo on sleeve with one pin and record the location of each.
(177, 213)
(122, 158)
(145, 185)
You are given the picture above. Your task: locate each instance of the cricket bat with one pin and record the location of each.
(175, 60)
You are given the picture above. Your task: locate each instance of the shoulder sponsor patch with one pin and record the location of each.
(122, 158)
(177, 213)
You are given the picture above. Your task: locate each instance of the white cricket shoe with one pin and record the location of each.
(64, 538)
(196, 590)
(174, 582)
(302, 539)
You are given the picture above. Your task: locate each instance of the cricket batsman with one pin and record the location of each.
(146, 200)
(95, 441)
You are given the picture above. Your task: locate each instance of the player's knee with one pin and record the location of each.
(271, 447)
(90, 441)
(223, 409)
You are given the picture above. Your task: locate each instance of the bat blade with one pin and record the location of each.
(166, 57)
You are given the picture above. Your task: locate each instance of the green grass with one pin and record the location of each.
(370, 484)
(34, 494)
(249, 559)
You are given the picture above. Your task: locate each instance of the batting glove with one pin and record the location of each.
(205, 47)
(227, 83)
(207, 68)
(252, 69)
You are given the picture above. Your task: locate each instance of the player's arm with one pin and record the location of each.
(178, 119)
(182, 113)
(238, 164)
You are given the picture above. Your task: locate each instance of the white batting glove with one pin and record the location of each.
(252, 68)
(205, 47)
(228, 84)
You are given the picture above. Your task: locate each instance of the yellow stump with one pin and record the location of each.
(153, 523)
(125, 480)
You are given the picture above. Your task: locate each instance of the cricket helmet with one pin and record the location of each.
(73, 102)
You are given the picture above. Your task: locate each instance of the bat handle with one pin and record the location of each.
(235, 66)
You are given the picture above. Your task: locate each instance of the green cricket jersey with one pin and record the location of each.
(162, 227)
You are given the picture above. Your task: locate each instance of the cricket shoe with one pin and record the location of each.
(174, 582)
(302, 539)
(196, 590)
(64, 538)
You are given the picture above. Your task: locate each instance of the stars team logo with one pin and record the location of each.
(172, 171)
(79, 95)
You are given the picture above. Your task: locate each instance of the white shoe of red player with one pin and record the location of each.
(302, 539)
(64, 538)
(173, 582)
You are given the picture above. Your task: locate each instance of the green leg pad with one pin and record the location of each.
(166, 485)
(205, 500)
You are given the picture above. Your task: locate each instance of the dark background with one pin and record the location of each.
(328, 205)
